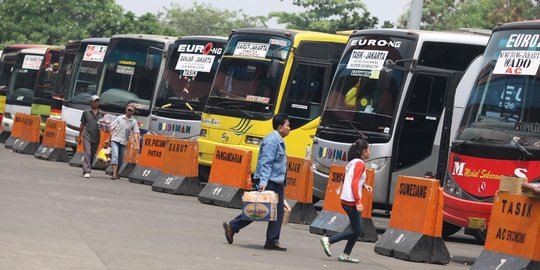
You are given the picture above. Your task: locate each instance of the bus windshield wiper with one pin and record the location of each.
(232, 105)
(512, 141)
(352, 124)
(474, 138)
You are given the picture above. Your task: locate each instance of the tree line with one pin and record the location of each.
(57, 21)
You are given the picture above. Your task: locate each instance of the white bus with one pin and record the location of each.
(192, 63)
(392, 86)
(129, 73)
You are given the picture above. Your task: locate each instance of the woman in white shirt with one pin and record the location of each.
(121, 130)
(351, 195)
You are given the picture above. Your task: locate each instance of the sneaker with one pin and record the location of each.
(86, 175)
(326, 246)
(347, 258)
(275, 246)
(229, 233)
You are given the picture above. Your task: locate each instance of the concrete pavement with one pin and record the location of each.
(52, 218)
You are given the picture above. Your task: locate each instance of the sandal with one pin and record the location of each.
(347, 258)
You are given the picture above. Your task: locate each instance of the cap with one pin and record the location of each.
(131, 107)
(94, 98)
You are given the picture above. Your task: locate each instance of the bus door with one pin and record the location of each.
(415, 150)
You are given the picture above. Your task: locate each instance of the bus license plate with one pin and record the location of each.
(477, 223)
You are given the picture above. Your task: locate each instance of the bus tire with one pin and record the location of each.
(480, 236)
(449, 229)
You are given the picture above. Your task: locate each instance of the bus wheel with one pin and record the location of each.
(480, 236)
(449, 229)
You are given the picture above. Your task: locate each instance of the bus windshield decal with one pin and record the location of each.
(265, 100)
(195, 62)
(251, 49)
(517, 62)
(32, 62)
(367, 59)
(95, 53)
(125, 70)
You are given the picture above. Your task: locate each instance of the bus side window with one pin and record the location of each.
(303, 100)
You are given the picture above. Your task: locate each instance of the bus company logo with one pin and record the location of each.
(460, 169)
(168, 127)
(206, 49)
(242, 127)
(212, 122)
(334, 154)
(375, 42)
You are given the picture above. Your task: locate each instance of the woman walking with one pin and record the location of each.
(351, 195)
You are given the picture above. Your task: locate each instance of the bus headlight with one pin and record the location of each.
(253, 140)
(377, 164)
(204, 132)
(451, 188)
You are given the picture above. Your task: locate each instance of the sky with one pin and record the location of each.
(385, 10)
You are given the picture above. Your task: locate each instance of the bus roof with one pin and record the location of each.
(209, 38)
(518, 25)
(423, 35)
(17, 47)
(145, 37)
(96, 40)
(294, 34)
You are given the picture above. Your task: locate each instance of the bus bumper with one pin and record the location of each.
(320, 181)
(458, 211)
(7, 124)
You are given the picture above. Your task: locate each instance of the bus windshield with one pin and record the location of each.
(189, 74)
(88, 67)
(23, 79)
(367, 84)
(128, 78)
(243, 80)
(47, 75)
(66, 67)
(504, 106)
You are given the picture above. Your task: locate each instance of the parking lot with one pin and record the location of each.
(52, 218)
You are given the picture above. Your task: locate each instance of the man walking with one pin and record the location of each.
(89, 134)
(270, 173)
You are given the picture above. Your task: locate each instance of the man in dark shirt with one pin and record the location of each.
(89, 134)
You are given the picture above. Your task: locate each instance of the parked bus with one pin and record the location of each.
(500, 131)
(191, 65)
(64, 76)
(81, 84)
(7, 61)
(33, 68)
(264, 72)
(44, 89)
(392, 87)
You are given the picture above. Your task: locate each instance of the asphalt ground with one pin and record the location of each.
(52, 218)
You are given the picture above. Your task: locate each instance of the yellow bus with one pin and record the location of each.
(264, 72)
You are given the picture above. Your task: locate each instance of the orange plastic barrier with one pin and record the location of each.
(150, 161)
(416, 214)
(16, 130)
(175, 178)
(230, 175)
(28, 141)
(131, 156)
(333, 218)
(54, 135)
(513, 237)
(53, 146)
(231, 167)
(299, 180)
(76, 159)
(299, 190)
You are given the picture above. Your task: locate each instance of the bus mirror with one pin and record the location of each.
(149, 61)
(385, 78)
(273, 70)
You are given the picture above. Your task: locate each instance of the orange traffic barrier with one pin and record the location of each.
(333, 219)
(513, 237)
(299, 190)
(415, 228)
(183, 179)
(16, 131)
(130, 156)
(150, 161)
(76, 159)
(53, 146)
(28, 141)
(230, 175)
